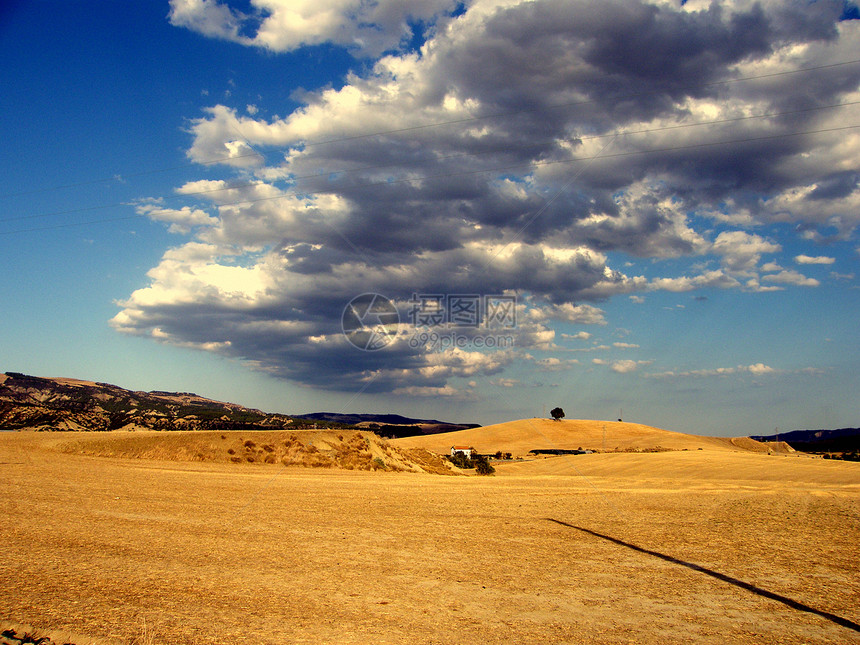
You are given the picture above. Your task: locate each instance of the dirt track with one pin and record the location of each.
(242, 553)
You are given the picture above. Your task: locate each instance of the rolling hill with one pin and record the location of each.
(520, 437)
(839, 440)
(39, 403)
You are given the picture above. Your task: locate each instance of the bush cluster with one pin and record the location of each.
(476, 461)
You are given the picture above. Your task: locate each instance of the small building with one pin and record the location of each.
(465, 450)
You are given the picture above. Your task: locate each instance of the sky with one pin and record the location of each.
(468, 211)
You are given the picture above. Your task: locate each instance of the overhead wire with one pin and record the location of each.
(530, 164)
(502, 150)
(311, 144)
(556, 106)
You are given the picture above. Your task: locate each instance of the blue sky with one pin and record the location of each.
(193, 192)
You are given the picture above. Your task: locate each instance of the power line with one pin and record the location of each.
(532, 164)
(577, 103)
(121, 177)
(235, 186)
(435, 124)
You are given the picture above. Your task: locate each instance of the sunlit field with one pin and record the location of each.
(709, 546)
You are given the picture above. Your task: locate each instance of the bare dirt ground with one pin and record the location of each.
(678, 547)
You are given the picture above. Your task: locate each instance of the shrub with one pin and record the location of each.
(460, 460)
(482, 466)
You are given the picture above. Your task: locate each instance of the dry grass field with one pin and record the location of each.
(699, 546)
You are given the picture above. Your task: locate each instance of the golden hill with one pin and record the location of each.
(350, 450)
(519, 437)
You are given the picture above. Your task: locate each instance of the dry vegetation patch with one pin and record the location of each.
(349, 450)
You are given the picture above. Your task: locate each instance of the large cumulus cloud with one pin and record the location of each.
(528, 149)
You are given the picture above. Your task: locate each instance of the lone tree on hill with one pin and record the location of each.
(557, 414)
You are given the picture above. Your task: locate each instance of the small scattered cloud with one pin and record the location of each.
(624, 366)
(445, 391)
(741, 251)
(820, 259)
(841, 276)
(366, 28)
(555, 364)
(568, 312)
(755, 369)
(716, 279)
(791, 277)
(580, 335)
(181, 220)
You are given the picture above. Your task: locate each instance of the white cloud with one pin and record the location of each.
(555, 364)
(756, 369)
(285, 25)
(580, 335)
(806, 259)
(181, 220)
(716, 279)
(624, 366)
(791, 278)
(568, 312)
(416, 390)
(741, 251)
(207, 17)
(531, 202)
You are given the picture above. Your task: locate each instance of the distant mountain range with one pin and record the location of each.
(392, 426)
(841, 440)
(37, 403)
(354, 419)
